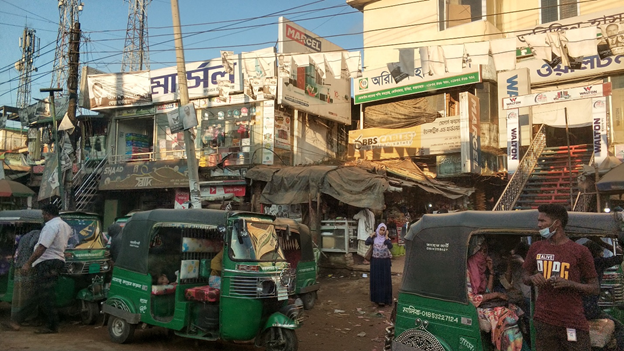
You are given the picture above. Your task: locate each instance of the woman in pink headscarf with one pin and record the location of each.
(495, 314)
(380, 263)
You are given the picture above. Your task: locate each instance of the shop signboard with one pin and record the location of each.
(114, 90)
(135, 111)
(513, 141)
(202, 80)
(549, 97)
(378, 84)
(310, 88)
(470, 132)
(441, 136)
(449, 165)
(145, 175)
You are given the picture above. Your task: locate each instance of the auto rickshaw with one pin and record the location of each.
(433, 307)
(251, 303)
(80, 287)
(297, 247)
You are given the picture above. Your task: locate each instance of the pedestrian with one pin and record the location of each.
(114, 232)
(48, 260)
(562, 271)
(23, 304)
(590, 302)
(380, 263)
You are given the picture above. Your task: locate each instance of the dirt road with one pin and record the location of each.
(343, 319)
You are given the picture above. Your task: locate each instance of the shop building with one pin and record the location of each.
(435, 52)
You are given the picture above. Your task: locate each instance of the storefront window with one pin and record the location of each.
(226, 134)
(170, 146)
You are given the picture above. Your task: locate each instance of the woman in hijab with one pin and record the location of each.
(499, 317)
(380, 263)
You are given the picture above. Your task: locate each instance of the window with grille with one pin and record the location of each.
(556, 10)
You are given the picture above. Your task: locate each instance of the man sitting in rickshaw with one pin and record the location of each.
(496, 315)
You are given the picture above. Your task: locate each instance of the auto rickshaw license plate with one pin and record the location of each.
(94, 268)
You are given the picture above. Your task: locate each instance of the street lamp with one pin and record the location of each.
(57, 147)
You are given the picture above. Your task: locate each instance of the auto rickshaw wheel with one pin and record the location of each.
(119, 330)
(280, 339)
(309, 299)
(90, 312)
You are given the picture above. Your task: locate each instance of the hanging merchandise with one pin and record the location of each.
(406, 59)
(504, 53)
(477, 53)
(454, 55)
(539, 46)
(582, 42)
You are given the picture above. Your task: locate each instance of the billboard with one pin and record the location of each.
(107, 91)
(470, 132)
(309, 86)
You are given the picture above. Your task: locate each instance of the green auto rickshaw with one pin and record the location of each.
(163, 278)
(80, 287)
(433, 310)
(296, 242)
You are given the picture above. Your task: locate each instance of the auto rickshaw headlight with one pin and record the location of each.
(104, 267)
(267, 287)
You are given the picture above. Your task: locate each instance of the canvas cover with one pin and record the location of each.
(437, 245)
(294, 185)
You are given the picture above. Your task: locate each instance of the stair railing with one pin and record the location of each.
(88, 188)
(584, 199)
(514, 188)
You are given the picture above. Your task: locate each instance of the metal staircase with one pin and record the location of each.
(85, 194)
(512, 192)
(545, 177)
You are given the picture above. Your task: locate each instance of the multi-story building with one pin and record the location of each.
(422, 57)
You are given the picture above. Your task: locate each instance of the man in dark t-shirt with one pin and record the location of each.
(562, 271)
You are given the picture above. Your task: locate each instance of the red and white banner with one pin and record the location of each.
(549, 97)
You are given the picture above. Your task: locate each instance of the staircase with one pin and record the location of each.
(552, 181)
(85, 194)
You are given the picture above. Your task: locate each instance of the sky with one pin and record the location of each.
(207, 28)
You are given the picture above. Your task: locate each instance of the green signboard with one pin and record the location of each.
(441, 83)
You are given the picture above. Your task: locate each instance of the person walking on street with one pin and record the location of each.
(380, 263)
(48, 260)
(562, 271)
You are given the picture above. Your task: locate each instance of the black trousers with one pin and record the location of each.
(47, 273)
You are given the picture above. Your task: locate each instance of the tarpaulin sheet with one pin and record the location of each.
(292, 185)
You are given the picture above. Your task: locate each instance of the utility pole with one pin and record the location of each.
(73, 56)
(189, 141)
(69, 11)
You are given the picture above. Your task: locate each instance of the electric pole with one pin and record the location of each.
(189, 142)
(72, 88)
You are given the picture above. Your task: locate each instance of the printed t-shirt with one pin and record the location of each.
(572, 261)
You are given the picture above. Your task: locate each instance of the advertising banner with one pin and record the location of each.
(549, 97)
(50, 179)
(470, 132)
(268, 130)
(202, 79)
(378, 84)
(310, 87)
(513, 141)
(282, 130)
(441, 136)
(599, 129)
(114, 90)
(511, 84)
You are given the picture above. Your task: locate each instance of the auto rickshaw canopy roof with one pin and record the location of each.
(437, 245)
(137, 232)
(305, 239)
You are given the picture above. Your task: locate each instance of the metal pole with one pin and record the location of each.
(565, 111)
(57, 146)
(189, 141)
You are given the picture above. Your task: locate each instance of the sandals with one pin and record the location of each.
(11, 326)
(46, 331)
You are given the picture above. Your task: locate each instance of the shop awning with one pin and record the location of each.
(410, 171)
(294, 185)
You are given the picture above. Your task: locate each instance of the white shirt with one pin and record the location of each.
(54, 237)
(366, 223)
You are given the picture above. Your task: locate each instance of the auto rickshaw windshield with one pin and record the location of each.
(85, 233)
(255, 241)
